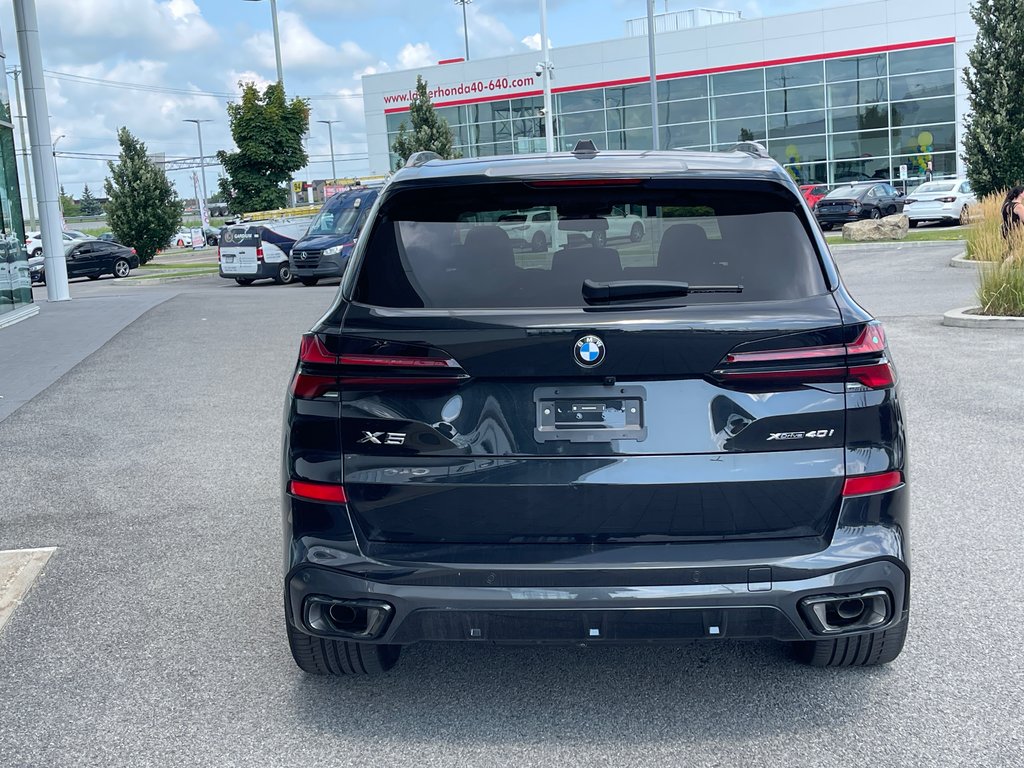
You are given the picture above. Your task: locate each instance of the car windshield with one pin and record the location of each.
(334, 221)
(936, 186)
(458, 250)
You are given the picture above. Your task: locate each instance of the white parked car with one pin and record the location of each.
(534, 229)
(34, 240)
(181, 239)
(945, 201)
(621, 224)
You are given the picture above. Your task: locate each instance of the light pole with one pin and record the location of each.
(56, 173)
(545, 68)
(277, 40)
(202, 162)
(465, 27)
(330, 136)
(654, 79)
(15, 72)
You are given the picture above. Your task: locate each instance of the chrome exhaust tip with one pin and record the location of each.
(355, 619)
(836, 614)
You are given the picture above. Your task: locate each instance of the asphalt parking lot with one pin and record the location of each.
(154, 635)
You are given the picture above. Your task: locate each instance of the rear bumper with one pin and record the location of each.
(765, 609)
(642, 593)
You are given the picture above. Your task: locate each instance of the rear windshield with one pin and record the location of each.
(937, 186)
(481, 246)
(846, 192)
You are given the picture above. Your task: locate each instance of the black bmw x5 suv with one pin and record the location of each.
(694, 435)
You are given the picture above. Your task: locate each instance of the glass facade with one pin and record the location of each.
(15, 283)
(828, 121)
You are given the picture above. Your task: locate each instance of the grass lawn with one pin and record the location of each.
(164, 273)
(206, 266)
(913, 236)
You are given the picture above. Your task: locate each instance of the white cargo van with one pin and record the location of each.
(259, 250)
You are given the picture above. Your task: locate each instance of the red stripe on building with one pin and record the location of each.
(693, 72)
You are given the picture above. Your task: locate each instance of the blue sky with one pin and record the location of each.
(186, 57)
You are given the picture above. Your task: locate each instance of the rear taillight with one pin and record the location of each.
(318, 491)
(259, 253)
(862, 361)
(859, 485)
(218, 254)
(369, 363)
(947, 199)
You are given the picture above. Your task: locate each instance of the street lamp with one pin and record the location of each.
(56, 172)
(465, 27)
(330, 135)
(277, 40)
(202, 160)
(545, 68)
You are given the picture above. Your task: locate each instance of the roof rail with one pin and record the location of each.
(416, 159)
(751, 148)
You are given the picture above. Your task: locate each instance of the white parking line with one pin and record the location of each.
(18, 569)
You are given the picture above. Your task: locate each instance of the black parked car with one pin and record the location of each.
(697, 435)
(107, 237)
(852, 202)
(91, 258)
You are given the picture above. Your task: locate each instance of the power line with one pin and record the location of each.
(147, 88)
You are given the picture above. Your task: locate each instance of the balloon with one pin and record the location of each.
(925, 138)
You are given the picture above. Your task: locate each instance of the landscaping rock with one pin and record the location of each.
(893, 227)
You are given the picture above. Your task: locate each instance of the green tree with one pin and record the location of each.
(268, 131)
(430, 131)
(68, 206)
(88, 203)
(143, 209)
(994, 130)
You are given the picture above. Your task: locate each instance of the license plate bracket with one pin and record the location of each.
(590, 414)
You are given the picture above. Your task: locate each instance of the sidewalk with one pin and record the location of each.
(36, 352)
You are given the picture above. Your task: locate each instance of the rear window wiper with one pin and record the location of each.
(625, 290)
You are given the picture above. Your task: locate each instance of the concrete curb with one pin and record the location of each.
(160, 280)
(964, 318)
(890, 244)
(962, 262)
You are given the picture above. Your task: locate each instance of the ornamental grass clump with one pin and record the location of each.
(1001, 278)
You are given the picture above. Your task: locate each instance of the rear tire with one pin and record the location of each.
(875, 213)
(243, 280)
(284, 274)
(636, 234)
(865, 650)
(539, 243)
(37, 252)
(121, 268)
(310, 281)
(598, 239)
(965, 216)
(911, 223)
(317, 656)
(826, 227)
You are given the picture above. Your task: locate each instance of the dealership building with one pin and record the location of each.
(850, 92)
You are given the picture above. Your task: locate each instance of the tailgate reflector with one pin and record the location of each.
(318, 491)
(858, 486)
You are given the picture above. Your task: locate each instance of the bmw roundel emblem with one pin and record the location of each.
(589, 351)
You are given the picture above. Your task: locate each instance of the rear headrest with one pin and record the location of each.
(679, 241)
(593, 263)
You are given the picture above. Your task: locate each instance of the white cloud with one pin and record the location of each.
(134, 26)
(490, 37)
(416, 55)
(301, 49)
(534, 41)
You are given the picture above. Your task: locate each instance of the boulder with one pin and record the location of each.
(893, 227)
